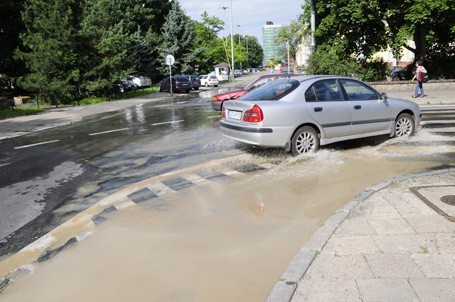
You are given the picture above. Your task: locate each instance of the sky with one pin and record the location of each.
(251, 15)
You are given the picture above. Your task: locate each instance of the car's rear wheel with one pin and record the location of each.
(305, 140)
(206, 85)
(404, 125)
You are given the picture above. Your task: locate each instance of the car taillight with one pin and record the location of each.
(223, 113)
(254, 115)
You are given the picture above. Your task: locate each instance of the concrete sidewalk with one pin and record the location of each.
(393, 242)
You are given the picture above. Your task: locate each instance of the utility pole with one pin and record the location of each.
(232, 48)
(313, 25)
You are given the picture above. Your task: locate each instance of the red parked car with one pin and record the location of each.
(217, 100)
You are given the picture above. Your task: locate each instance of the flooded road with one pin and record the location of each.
(228, 238)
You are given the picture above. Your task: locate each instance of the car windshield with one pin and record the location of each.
(182, 79)
(272, 91)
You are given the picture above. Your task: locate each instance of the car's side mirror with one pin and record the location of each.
(384, 97)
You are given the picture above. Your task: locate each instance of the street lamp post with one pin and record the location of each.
(239, 44)
(232, 48)
(289, 65)
(313, 25)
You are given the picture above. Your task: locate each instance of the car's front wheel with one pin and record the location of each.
(305, 140)
(404, 125)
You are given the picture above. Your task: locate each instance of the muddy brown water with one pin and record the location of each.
(228, 239)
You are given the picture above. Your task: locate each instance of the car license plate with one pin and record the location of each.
(235, 115)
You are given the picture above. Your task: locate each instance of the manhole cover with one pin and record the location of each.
(441, 198)
(448, 199)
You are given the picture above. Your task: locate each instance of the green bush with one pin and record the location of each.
(330, 60)
(18, 111)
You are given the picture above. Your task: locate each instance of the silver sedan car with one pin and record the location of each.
(302, 113)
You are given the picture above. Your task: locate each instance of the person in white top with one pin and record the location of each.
(420, 74)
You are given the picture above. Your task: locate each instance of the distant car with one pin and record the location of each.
(397, 73)
(209, 80)
(123, 86)
(301, 113)
(217, 100)
(140, 81)
(237, 73)
(195, 81)
(288, 71)
(179, 84)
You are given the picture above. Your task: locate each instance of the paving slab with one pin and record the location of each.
(390, 246)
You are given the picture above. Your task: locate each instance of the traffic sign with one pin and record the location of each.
(170, 60)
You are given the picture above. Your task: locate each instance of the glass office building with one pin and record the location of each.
(269, 33)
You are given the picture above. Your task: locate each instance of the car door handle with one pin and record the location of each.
(318, 109)
(357, 107)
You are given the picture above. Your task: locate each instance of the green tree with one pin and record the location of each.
(107, 44)
(179, 40)
(10, 27)
(212, 49)
(291, 35)
(255, 53)
(146, 17)
(366, 26)
(50, 48)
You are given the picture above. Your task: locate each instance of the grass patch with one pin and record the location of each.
(30, 110)
(138, 92)
(93, 100)
(19, 111)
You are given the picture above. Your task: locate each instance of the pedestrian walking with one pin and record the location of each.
(420, 74)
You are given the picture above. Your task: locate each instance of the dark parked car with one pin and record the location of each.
(123, 86)
(140, 81)
(217, 100)
(194, 79)
(179, 84)
(397, 73)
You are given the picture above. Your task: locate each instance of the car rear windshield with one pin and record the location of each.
(272, 91)
(182, 79)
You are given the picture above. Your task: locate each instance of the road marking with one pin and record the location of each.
(110, 131)
(37, 144)
(213, 116)
(165, 123)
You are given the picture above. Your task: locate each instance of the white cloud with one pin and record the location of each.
(250, 15)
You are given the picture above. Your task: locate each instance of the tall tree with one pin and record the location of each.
(10, 27)
(291, 35)
(105, 32)
(212, 50)
(50, 50)
(146, 18)
(179, 40)
(255, 53)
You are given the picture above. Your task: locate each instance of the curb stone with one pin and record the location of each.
(286, 286)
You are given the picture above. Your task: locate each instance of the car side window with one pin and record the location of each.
(259, 83)
(323, 91)
(357, 91)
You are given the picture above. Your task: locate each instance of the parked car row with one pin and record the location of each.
(209, 80)
(132, 82)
